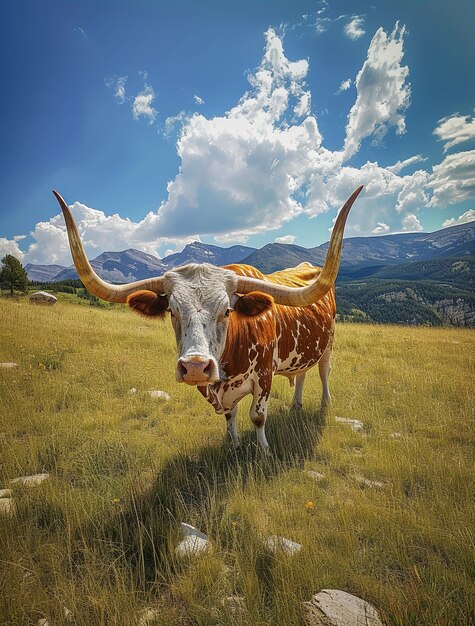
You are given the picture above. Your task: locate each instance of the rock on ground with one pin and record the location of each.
(194, 541)
(30, 481)
(355, 425)
(276, 544)
(42, 297)
(148, 616)
(315, 475)
(68, 615)
(366, 482)
(333, 607)
(157, 393)
(8, 365)
(236, 604)
(7, 506)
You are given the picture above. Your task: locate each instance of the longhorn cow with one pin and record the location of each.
(235, 327)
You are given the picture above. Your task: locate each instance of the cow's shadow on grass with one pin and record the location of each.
(194, 487)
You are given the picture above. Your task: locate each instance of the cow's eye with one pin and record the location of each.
(228, 311)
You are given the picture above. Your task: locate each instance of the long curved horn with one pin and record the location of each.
(304, 296)
(92, 282)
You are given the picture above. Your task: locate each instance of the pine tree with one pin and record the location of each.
(12, 274)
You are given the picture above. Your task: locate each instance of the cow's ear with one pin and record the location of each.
(253, 303)
(148, 303)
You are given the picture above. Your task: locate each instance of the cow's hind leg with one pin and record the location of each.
(298, 394)
(231, 426)
(324, 368)
(258, 415)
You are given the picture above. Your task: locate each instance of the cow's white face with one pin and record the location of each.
(199, 299)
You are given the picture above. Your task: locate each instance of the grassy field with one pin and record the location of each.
(98, 537)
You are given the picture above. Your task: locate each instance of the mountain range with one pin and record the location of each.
(361, 256)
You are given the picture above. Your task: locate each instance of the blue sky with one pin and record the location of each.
(232, 122)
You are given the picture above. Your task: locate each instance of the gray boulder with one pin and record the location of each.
(42, 297)
(332, 607)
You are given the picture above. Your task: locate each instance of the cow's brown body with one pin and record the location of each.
(283, 340)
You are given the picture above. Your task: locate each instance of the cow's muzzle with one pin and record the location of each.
(197, 370)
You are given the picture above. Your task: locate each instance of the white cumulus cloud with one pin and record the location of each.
(410, 223)
(465, 218)
(453, 180)
(455, 129)
(10, 246)
(264, 162)
(381, 228)
(285, 239)
(383, 94)
(354, 28)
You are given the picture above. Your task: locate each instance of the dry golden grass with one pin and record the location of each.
(99, 536)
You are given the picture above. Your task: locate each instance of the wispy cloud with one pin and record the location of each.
(81, 32)
(117, 84)
(198, 100)
(344, 86)
(400, 165)
(142, 105)
(321, 24)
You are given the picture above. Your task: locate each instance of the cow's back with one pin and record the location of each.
(299, 335)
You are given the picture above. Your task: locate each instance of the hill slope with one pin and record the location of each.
(361, 252)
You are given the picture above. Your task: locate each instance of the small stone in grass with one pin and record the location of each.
(194, 541)
(366, 482)
(8, 365)
(333, 607)
(68, 615)
(396, 435)
(315, 475)
(276, 544)
(148, 616)
(355, 425)
(236, 604)
(7, 506)
(30, 481)
(162, 395)
(132, 391)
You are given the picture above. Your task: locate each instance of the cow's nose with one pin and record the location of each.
(194, 369)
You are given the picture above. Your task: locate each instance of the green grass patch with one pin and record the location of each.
(98, 537)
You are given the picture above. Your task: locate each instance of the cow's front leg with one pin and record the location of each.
(231, 426)
(258, 414)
